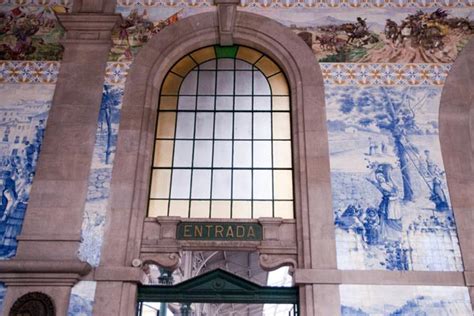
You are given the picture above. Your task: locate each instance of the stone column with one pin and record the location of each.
(48, 244)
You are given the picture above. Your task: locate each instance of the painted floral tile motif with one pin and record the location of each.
(23, 114)
(384, 300)
(81, 302)
(3, 291)
(408, 35)
(31, 32)
(390, 198)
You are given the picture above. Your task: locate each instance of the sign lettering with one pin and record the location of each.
(219, 231)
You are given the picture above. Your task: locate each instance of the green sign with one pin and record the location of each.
(219, 231)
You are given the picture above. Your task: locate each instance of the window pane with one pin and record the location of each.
(187, 103)
(183, 153)
(203, 153)
(278, 84)
(208, 65)
(204, 125)
(223, 125)
(262, 103)
(185, 128)
(189, 85)
(284, 209)
(160, 183)
(223, 154)
(281, 126)
(224, 103)
(243, 103)
(262, 154)
(242, 184)
(262, 126)
(221, 184)
(201, 184)
(171, 84)
(168, 102)
(179, 208)
(225, 63)
(165, 128)
(181, 184)
(248, 54)
(206, 82)
(281, 103)
(283, 183)
(241, 209)
(243, 154)
(260, 84)
(243, 82)
(262, 209)
(267, 66)
(240, 64)
(158, 208)
(220, 209)
(243, 125)
(163, 153)
(184, 66)
(225, 82)
(262, 184)
(200, 209)
(205, 103)
(282, 154)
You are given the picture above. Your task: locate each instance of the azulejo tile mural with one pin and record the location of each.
(391, 203)
(382, 300)
(28, 71)
(81, 302)
(31, 32)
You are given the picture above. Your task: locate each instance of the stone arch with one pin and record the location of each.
(33, 303)
(457, 143)
(129, 187)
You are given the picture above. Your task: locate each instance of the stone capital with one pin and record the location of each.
(87, 28)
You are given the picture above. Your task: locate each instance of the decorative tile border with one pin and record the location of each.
(29, 71)
(384, 74)
(66, 3)
(116, 73)
(309, 3)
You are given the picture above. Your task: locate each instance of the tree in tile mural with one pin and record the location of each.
(391, 202)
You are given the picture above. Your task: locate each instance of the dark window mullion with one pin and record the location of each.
(172, 156)
(213, 139)
(251, 148)
(232, 158)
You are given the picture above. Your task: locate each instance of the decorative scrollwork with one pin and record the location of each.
(169, 260)
(34, 303)
(272, 262)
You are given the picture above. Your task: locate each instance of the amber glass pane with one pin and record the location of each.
(158, 208)
(163, 153)
(166, 123)
(262, 209)
(267, 66)
(281, 126)
(281, 103)
(171, 84)
(248, 54)
(179, 208)
(220, 209)
(204, 54)
(282, 154)
(284, 209)
(184, 66)
(160, 183)
(278, 84)
(283, 184)
(200, 209)
(242, 209)
(168, 102)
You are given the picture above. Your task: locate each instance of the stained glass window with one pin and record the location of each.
(223, 138)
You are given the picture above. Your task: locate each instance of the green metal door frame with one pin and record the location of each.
(218, 286)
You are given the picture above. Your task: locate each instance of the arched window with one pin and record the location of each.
(223, 138)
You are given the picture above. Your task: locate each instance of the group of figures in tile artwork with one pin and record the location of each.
(391, 203)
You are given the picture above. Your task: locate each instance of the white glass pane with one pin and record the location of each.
(189, 84)
(262, 103)
(243, 154)
(205, 103)
(206, 82)
(221, 182)
(223, 154)
(225, 82)
(282, 154)
(185, 126)
(260, 84)
(211, 64)
(186, 103)
(243, 125)
(204, 125)
(183, 153)
(243, 82)
(262, 154)
(203, 153)
(223, 125)
(201, 184)
(243, 103)
(262, 128)
(180, 184)
(225, 63)
(242, 184)
(262, 184)
(224, 103)
(240, 64)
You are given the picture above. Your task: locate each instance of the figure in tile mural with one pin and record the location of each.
(391, 202)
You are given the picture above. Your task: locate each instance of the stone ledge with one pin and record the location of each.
(377, 277)
(88, 28)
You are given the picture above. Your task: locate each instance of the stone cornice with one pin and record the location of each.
(87, 28)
